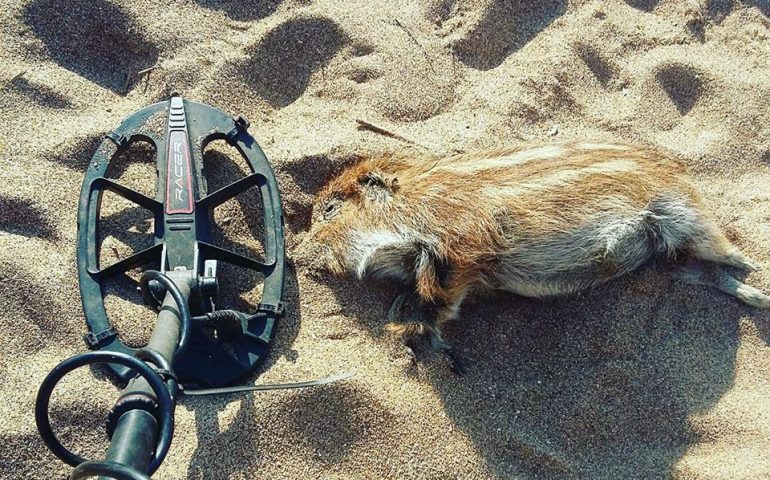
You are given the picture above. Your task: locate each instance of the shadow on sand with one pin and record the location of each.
(596, 386)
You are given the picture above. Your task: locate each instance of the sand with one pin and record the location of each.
(646, 378)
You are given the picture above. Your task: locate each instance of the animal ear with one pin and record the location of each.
(378, 182)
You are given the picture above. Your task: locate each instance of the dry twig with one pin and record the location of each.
(363, 124)
(13, 79)
(400, 25)
(146, 70)
(126, 84)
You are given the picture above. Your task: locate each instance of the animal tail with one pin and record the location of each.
(717, 278)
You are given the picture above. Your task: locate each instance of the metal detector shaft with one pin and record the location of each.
(135, 434)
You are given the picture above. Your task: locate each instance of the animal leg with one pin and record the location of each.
(713, 246)
(449, 312)
(717, 278)
(411, 318)
(408, 317)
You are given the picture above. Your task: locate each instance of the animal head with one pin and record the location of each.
(356, 203)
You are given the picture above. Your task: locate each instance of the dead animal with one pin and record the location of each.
(539, 221)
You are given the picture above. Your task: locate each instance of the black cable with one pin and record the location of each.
(181, 303)
(163, 396)
(265, 388)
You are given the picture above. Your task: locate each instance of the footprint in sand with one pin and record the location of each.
(644, 5)
(77, 153)
(502, 27)
(604, 70)
(21, 217)
(682, 84)
(95, 39)
(240, 10)
(365, 74)
(279, 66)
(40, 94)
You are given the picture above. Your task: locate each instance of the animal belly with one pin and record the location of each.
(568, 263)
(535, 286)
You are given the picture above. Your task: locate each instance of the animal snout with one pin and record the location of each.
(312, 256)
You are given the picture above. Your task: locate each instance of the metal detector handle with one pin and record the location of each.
(141, 423)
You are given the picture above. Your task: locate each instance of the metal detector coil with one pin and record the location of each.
(183, 222)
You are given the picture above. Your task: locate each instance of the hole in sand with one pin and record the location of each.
(240, 10)
(595, 61)
(40, 94)
(364, 74)
(20, 216)
(78, 153)
(95, 39)
(644, 5)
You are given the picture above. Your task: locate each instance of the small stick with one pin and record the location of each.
(406, 30)
(402, 27)
(238, 26)
(13, 79)
(374, 128)
(125, 85)
(323, 67)
(146, 70)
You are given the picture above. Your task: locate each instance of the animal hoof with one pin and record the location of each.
(753, 266)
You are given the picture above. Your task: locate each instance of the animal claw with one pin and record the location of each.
(457, 364)
(410, 353)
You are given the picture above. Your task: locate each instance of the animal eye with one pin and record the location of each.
(331, 208)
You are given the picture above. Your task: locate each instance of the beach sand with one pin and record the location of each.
(646, 378)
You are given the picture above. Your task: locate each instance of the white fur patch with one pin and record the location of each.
(602, 146)
(518, 158)
(561, 178)
(365, 245)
